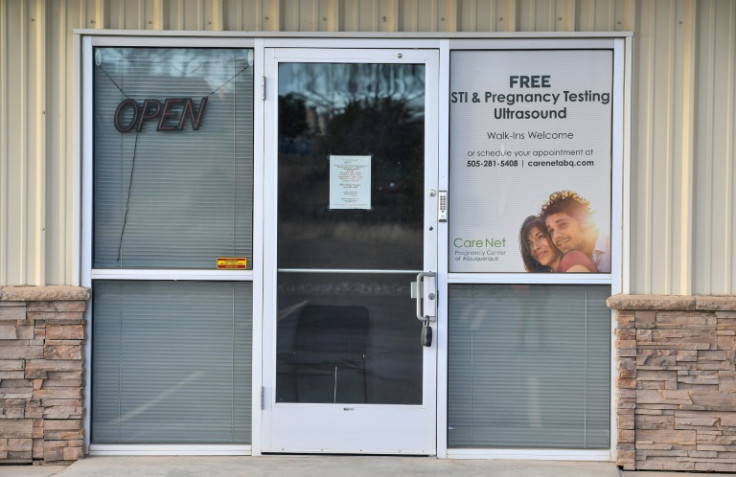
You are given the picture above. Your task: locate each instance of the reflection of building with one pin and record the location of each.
(673, 370)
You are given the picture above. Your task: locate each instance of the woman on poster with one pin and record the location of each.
(540, 255)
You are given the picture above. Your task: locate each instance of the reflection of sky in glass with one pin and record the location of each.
(173, 199)
(177, 63)
(325, 86)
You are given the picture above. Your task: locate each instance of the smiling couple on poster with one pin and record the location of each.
(564, 238)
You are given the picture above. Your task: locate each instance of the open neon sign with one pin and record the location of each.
(171, 115)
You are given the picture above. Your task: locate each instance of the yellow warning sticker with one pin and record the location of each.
(232, 263)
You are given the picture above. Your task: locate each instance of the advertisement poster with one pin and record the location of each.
(530, 161)
(350, 182)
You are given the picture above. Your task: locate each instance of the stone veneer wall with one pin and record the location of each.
(42, 335)
(676, 383)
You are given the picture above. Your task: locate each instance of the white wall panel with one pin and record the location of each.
(683, 112)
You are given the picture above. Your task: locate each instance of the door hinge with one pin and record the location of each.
(263, 398)
(263, 88)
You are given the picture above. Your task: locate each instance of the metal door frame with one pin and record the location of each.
(270, 411)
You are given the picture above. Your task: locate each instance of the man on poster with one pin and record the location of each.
(569, 222)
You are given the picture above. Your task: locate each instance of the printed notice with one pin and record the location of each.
(350, 182)
(530, 164)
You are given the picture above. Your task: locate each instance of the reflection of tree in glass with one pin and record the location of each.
(292, 116)
(386, 129)
(330, 87)
(217, 67)
(382, 126)
(329, 110)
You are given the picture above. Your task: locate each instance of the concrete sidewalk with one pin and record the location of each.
(323, 466)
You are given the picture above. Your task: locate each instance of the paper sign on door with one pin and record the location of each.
(350, 182)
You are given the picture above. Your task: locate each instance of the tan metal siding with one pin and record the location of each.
(61, 19)
(485, 15)
(22, 160)
(683, 161)
(715, 151)
(4, 142)
(662, 152)
(597, 15)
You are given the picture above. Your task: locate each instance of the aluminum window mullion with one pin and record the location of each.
(135, 274)
(346, 270)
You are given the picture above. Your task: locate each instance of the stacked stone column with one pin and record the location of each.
(42, 337)
(676, 382)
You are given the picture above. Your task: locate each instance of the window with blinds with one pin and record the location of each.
(529, 366)
(172, 190)
(171, 362)
(173, 157)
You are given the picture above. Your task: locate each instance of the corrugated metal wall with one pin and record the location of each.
(683, 217)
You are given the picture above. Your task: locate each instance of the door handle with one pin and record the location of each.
(426, 296)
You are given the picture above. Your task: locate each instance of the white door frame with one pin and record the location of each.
(354, 428)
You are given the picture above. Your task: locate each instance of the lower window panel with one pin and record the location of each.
(529, 366)
(171, 362)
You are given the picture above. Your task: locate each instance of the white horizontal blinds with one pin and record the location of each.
(172, 198)
(172, 362)
(529, 366)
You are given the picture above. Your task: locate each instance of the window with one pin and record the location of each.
(171, 362)
(529, 366)
(172, 187)
(534, 242)
(173, 157)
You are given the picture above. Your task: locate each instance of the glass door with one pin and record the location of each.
(349, 359)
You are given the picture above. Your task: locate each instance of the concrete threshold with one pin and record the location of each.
(325, 466)
(320, 466)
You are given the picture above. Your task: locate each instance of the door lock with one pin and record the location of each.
(424, 290)
(426, 337)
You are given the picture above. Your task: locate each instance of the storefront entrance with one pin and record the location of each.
(348, 365)
(319, 244)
